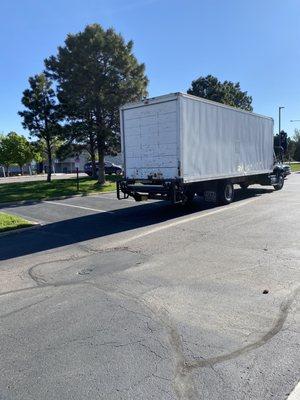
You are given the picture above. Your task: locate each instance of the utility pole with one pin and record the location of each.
(279, 112)
(279, 135)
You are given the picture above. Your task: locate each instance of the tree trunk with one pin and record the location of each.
(101, 172)
(49, 154)
(93, 156)
(40, 167)
(94, 166)
(21, 169)
(101, 149)
(7, 170)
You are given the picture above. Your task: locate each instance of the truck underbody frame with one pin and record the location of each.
(178, 192)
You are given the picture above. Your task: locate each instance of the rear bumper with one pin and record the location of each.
(143, 190)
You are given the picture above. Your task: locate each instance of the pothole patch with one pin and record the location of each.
(89, 267)
(85, 271)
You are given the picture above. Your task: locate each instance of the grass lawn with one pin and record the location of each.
(9, 222)
(295, 167)
(42, 190)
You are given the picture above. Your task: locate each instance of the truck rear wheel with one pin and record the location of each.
(225, 193)
(280, 183)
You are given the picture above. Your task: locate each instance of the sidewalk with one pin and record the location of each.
(40, 177)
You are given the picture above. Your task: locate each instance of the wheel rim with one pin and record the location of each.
(228, 192)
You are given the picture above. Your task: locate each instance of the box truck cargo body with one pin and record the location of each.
(187, 145)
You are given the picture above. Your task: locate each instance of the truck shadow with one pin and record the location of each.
(83, 228)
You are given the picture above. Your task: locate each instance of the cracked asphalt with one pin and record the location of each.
(120, 300)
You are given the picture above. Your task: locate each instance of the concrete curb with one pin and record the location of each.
(35, 225)
(29, 202)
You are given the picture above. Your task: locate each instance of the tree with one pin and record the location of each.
(38, 150)
(5, 153)
(68, 150)
(80, 136)
(227, 92)
(296, 139)
(42, 114)
(21, 150)
(96, 72)
(291, 147)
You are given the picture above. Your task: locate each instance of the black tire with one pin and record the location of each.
(189, 198)
(280, 183)
(244, 185)
(118, 172)
(225, 193)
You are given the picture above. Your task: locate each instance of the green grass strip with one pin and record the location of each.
(42, 190)
(9, 222)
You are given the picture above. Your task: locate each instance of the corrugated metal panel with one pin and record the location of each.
(150, 141)
(152, 100)
(220, 141)
(207, 140)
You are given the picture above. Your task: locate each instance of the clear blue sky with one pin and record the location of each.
(254, 42)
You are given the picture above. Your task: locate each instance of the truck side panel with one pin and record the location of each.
(150, 140)
(220, 142)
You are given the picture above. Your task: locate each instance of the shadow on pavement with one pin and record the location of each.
(98, 225)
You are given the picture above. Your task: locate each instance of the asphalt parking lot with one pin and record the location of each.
(115, 299)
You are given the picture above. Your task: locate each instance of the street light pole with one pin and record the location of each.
(279, 111)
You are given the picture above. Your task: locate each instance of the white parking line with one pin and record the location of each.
(181, 221)
(164, 226)
(104, 196)
(83, 208)
(295, 395)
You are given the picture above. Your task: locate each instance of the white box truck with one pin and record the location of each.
(177, 146)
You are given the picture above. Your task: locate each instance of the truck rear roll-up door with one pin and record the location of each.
(151, 140)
